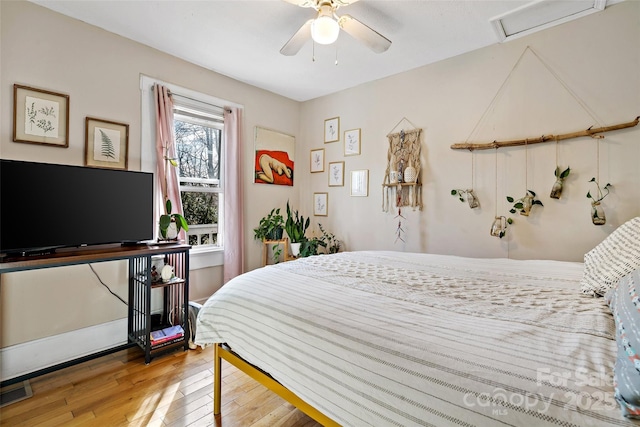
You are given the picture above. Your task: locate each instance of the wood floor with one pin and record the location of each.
(174, 390)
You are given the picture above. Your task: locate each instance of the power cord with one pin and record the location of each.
(106, 286)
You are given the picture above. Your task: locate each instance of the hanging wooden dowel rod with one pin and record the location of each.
(592, 132)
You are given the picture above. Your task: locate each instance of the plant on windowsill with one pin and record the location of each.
(170, 223)
(296, 227)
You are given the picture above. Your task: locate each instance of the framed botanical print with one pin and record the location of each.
(320, 204)
(360, 183)
(106, 144)
(352, 142)
(317, 160)
(40, 116)
(332, 130)
(336, 174)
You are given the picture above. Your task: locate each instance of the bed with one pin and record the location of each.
(377, 338)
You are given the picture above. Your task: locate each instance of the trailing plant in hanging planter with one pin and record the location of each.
(499, 226)
(524, 204)
(597, 211)
(468, 194)
(600, 194)
(556, 190)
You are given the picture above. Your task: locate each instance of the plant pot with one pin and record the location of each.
(499, 227)
(276, 234)
(556, 190)
(295, 249)
(472, 199)
(410, 174)
(597, 214)
(527, 203)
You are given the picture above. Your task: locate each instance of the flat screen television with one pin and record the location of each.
(47, 206)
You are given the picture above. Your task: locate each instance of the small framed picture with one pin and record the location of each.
(106, 144)
(360, 183)
(352, 142)
(336, 174)
(332, 130)
(40, 116)
(317, 160)
(320, 204)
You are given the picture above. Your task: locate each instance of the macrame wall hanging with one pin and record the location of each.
(402, 177)
(525, 203)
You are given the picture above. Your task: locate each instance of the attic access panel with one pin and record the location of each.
(542, 14)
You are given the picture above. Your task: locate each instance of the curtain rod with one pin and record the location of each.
(196, 100)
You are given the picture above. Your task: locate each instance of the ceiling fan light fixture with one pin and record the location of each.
(325, 30)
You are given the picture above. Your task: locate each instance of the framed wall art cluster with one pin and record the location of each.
(336, 170)
(41, 116)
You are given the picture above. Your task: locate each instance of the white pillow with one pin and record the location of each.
(612, 259)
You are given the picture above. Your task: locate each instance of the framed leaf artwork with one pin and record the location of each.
(332, 130)
(40, 116)
(106, 144)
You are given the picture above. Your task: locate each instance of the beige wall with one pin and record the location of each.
(597, 57)
(101, 73)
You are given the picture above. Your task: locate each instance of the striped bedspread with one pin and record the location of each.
(396, 339)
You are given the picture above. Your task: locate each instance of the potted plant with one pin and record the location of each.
(524, 204)
(171, 223)
(329, 241)
(270, 226)
(296, 227)
(597, 212)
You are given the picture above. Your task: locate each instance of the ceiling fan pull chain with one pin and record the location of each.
(313, 51)
(336, 54)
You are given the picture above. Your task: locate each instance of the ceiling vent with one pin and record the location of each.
(542, 14)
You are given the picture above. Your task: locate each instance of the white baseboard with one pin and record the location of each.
(22, 359)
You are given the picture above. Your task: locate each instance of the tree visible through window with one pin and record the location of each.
(198, 136)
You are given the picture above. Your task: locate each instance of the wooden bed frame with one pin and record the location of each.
(222, 351)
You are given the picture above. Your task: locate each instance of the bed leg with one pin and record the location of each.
(217, 380)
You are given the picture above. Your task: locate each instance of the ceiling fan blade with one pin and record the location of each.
(359, 31)
(298, 40)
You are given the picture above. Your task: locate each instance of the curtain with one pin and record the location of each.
(168, 187)
(233, 195)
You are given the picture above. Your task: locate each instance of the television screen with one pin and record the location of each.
(46, 206)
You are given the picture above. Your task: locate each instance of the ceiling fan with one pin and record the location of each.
(324, 29)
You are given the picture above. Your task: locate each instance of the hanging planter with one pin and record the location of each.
(467, 194)
(499, 226)
(597, 211)
(556, 190)
(524, 204)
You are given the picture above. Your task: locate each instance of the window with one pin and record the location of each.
(198, 135)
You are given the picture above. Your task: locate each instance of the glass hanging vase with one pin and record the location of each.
(499, 227)
(556, 190)
(472, 199)
(527, 203)
(597, 214)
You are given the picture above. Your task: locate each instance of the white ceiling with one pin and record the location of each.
(242, 39)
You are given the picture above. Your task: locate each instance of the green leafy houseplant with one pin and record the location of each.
(600, 194)
(270, 226)
(524, 204)
(168, 218)
(556, 190)
(329, 241)
(296, 226)
(597, 212)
